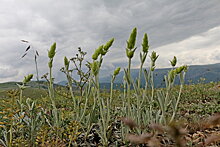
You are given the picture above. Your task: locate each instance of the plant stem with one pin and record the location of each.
(129, 88)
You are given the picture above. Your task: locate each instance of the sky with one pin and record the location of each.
(187, 29)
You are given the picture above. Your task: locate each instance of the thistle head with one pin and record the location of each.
(132, 39)
(174, 61)
(52, 51)
(145, 45)
(117, 70)
(27, 78)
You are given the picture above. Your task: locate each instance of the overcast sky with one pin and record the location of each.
(188, 29)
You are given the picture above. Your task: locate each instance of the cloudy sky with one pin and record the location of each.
(188, 29)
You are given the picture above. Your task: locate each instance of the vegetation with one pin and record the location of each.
(139, 115)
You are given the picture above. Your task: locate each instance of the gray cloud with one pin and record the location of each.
(7, 72)
(88, 24)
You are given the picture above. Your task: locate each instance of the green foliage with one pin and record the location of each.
(96, 117)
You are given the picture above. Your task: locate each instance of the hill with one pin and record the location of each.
(194, 75)
(36, 89)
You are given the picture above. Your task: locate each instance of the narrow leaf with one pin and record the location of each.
(27, 48)
(24, 41)
(24, 55)
(37, 53)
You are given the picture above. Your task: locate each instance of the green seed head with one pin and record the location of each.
(107, 46)
(145, 45)
(132, 39)
(97, 52)
(52, 51)
(154, 56)
(66, 62)
(174, 61)
(95, 68)
(27, 78)
(117, 70)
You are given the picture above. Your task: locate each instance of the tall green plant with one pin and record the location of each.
(104, 107)
(51, 54)
(130, 49)
(23, 86)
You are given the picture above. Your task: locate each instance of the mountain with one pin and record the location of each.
(194, 74)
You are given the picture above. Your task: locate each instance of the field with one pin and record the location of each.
(45, 114)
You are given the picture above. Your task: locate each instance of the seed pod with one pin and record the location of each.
(97, 52)
(132, 39)
(117, 70)
(52, 51)
(66, 62)
(174, 61)
(27, 78)
(107, 46)
(145, 45)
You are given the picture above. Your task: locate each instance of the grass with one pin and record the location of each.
(177, 115)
